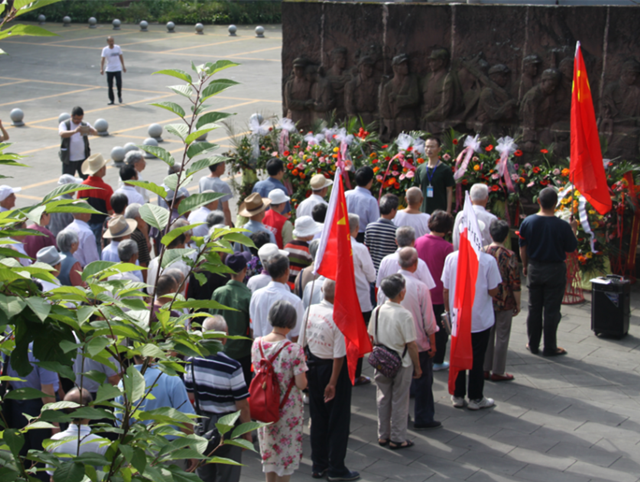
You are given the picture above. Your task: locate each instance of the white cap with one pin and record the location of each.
(69, 179)
(268, 250)
(278, 196)
(6, 191)
(306, 226)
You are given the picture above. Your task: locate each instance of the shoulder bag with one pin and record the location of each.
(382, 358)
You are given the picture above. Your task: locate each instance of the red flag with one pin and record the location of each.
(334, 260)
(461, 357)
(587, 169)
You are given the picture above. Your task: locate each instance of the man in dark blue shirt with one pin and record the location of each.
(544, 242)
(275, 169)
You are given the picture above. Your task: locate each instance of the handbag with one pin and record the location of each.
(264, 391)
(205, 428)
(382, 358)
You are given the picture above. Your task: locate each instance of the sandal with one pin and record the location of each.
(383, 441)
(400, 445)
(362, 380)
(534, 352)
(559, 351)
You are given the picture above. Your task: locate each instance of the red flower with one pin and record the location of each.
(294, 172)
(518, 153)
(465, 182)
(375, 161)
(387, 158)
(302, 175)
(286, 153)
(396, 185)
(296, 147)
(544, 151)
(290, 166)
(409, 149)
(544, 182)
(455, 142)
(385, 146)
(495, 188)
(536, 170)
(489, 148)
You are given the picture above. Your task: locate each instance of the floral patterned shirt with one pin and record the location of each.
(508, 265)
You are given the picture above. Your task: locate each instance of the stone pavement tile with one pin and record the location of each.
(557, 422)
(627, 465)
(593, 454)
(593, 414)
(602, 430)
(436, 450)
(520, 439)
(493, 461)
(539, 400)
(357, 461)
(591, 470)
(550, 460)
(473, 443)
(384, 454)
(495, 421)
(487, 475)
(451, 470)
(416, 471)
(537, 473)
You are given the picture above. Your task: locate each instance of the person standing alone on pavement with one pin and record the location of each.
(74, 147)
(112, 53)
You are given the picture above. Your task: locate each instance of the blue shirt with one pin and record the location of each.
(360, 201)
(254, 227)
(265, 187)
(37, 377)
(547, 238)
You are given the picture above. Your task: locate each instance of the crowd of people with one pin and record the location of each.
(405, 264)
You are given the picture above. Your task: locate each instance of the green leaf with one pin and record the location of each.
(211, 118)
(96, 267)
(70, 206)
(184, 90)
(107, 392)
(165, 415)
(196, 200)
(201, 305)
(24, 393)
(171, 181)
(65, 189)
(96, 345)
(134, 384)
(91, 413)
(225, 424)
(215, 87)
(170, 255)
(153, 351)
(139, 459)
(21, 30)
(15, 441)
(29, 5)
(69, 472)
(239, 238)
(240, 442)
(7, 474)
(213, 68)
(35, 214)
(60, 405)
(39, 306)
(178, 74)
(54, 366)
(160, 153)
(155, 216)
(246, 427)
(150, 186)
(171, 107)
(200, 132)
(175, 232)
(200, 148)
(222, 460)
(180, 130)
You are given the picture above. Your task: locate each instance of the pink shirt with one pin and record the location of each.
(433, 250)
(33, 244)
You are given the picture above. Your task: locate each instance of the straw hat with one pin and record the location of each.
(93, 164)
(253, 204)
(318, 182)
(119, 226)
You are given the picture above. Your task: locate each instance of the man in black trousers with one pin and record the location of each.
(329, 389)
(544, 240)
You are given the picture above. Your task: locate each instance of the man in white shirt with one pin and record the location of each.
(418, 301)
(482, 319)
(479, 195)
(112, 53)
(129, 173)
(261, 280)
(412, 215)
(319, 188)
(277, 289)
(200, 216)
(74, 147)
(360, 201)
(365, 274)
(213, 182)
(329, 389)
(8, 197)
(405, 238)
(87, 248)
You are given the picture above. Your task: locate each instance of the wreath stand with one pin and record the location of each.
(573, 293)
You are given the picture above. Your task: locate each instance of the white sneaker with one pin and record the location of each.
(305, 399)
(483, 402)
(440, 366)
(458, 402)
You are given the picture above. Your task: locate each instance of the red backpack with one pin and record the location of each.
(264, 391)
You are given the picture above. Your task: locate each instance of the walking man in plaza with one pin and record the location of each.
(112, 54)
(544, 241)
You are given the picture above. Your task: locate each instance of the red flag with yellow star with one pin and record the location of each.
(587, 170)
(334, 260)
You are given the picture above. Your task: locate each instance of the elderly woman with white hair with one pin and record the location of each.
(70, 268)
(479, 195)
(59, 221)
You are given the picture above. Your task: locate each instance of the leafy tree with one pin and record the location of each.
(10, 9)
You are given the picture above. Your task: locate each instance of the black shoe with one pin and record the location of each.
(120, 99)
(111, 103)
(319, 474)
(351, 475)
(434, 424)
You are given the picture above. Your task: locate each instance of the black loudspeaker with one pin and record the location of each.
(610, 306)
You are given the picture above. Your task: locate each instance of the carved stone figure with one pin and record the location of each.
(297, 93)
(530, 70)
(338, 76)
(497, 108)
(441, 94)
(321, 93)
(538, 111)
(473, 78)
(361, 93)
(399, 99)
(621, 112)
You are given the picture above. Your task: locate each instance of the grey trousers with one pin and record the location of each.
(392, 400)
(495, 359)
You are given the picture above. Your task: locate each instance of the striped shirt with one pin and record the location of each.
(380, 238)
(299, 258)
(219, 382)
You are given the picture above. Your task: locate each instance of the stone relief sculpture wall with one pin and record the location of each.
(490, 69)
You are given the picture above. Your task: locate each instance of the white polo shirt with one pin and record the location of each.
(482, 317)
(389, 265)
(200, 216)
(259, 281)
(483, 215)
(132, 194)
(324, 338)
(365, 274)
(261, 302)
(305, 208)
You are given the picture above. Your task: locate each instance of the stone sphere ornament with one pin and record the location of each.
(259, 31)
(130, 146)
(232, 30)
(102, 126)
(171, 27)
(63, 117)
(155, 131)
(66, 21)
(42, 19)
(93, 23)
(199, 28)
(17, 116)
(117, 154)
(116, 24)
(202, 138)
(144, 26)
(150, 142)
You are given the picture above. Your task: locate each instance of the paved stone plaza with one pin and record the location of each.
(572, 418)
